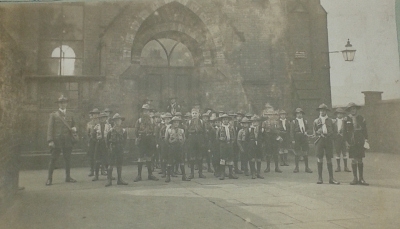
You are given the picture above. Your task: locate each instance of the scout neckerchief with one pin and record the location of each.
(339, 123)
(301, 125)
(284, 124)
(228, 135)
(323, 121)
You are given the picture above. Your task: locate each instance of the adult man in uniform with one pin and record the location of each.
(323, 131)
(356, 136)
(91, 138)
(60, 138)
(145, 141)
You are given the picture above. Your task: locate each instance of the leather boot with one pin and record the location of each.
(231, 174)
(162, 169)
(355, 179)
(307, 170)
(346, 169)
(119, 173)
(330, 171)
(296, 161)
(191, 170)
(320, 173)
(259, 170)
(150, 175)
(168, 179)
(200, 165)
(184, 178)
(139, 176)
(268, 169)
(109, 175)
(253, 169)
(361, 174)
(68, 177)
(222, 177)
(246, 169)
(276, 160)
(96, 172)
(338, 165)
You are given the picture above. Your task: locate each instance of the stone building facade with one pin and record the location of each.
(224, 54)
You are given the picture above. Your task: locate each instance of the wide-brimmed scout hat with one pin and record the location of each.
(117, 116)
(340, 110)
(146, 107)
(108, 110)
(178, 114)
(299, 110)
(188, 115)
(232, 114)
(214, 118)
(323, 107)
(245, 120)
(62, 99)
(282, 112)
(102, 114)
(176, 118)
(167, 115)
(205, 115)
(224, 116)
(94, 111)
(248, 115)
(241, 113)
(350, 105)
(270, 112)
(255, 118)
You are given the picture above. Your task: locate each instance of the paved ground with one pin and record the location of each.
(284, 200)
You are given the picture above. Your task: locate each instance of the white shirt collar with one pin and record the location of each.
(63, 111)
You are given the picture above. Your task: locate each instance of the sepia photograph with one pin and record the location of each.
(199, 114)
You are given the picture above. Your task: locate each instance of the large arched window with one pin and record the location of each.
(65, 57)
(166, 52)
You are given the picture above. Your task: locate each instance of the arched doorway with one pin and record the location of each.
(168, 71)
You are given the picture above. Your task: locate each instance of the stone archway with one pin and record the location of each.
(176, 22)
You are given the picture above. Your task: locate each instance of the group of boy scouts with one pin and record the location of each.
(167, 140)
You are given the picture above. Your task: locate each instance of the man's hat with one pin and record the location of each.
(231, 113)
(340, 110)
(245, 120)
(146, 106)
(255, 118)
(214, 118)
(239, 113)
(188, 114)
(323, 107)
(350, 105)
(208, 109)
(176, 118)
(299, 110)
(94, 111)
(117, 116)
(108, 110)
(102, 114)
(248, 115)
(167, 115)
(282, 112)
(62, 99)
(270, 112)
(205, 115)
(224, 116)
(178, 114)
(268, 105)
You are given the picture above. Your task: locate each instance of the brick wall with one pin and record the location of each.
(11, 95)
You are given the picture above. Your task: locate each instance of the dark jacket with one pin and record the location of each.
(57, 131)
